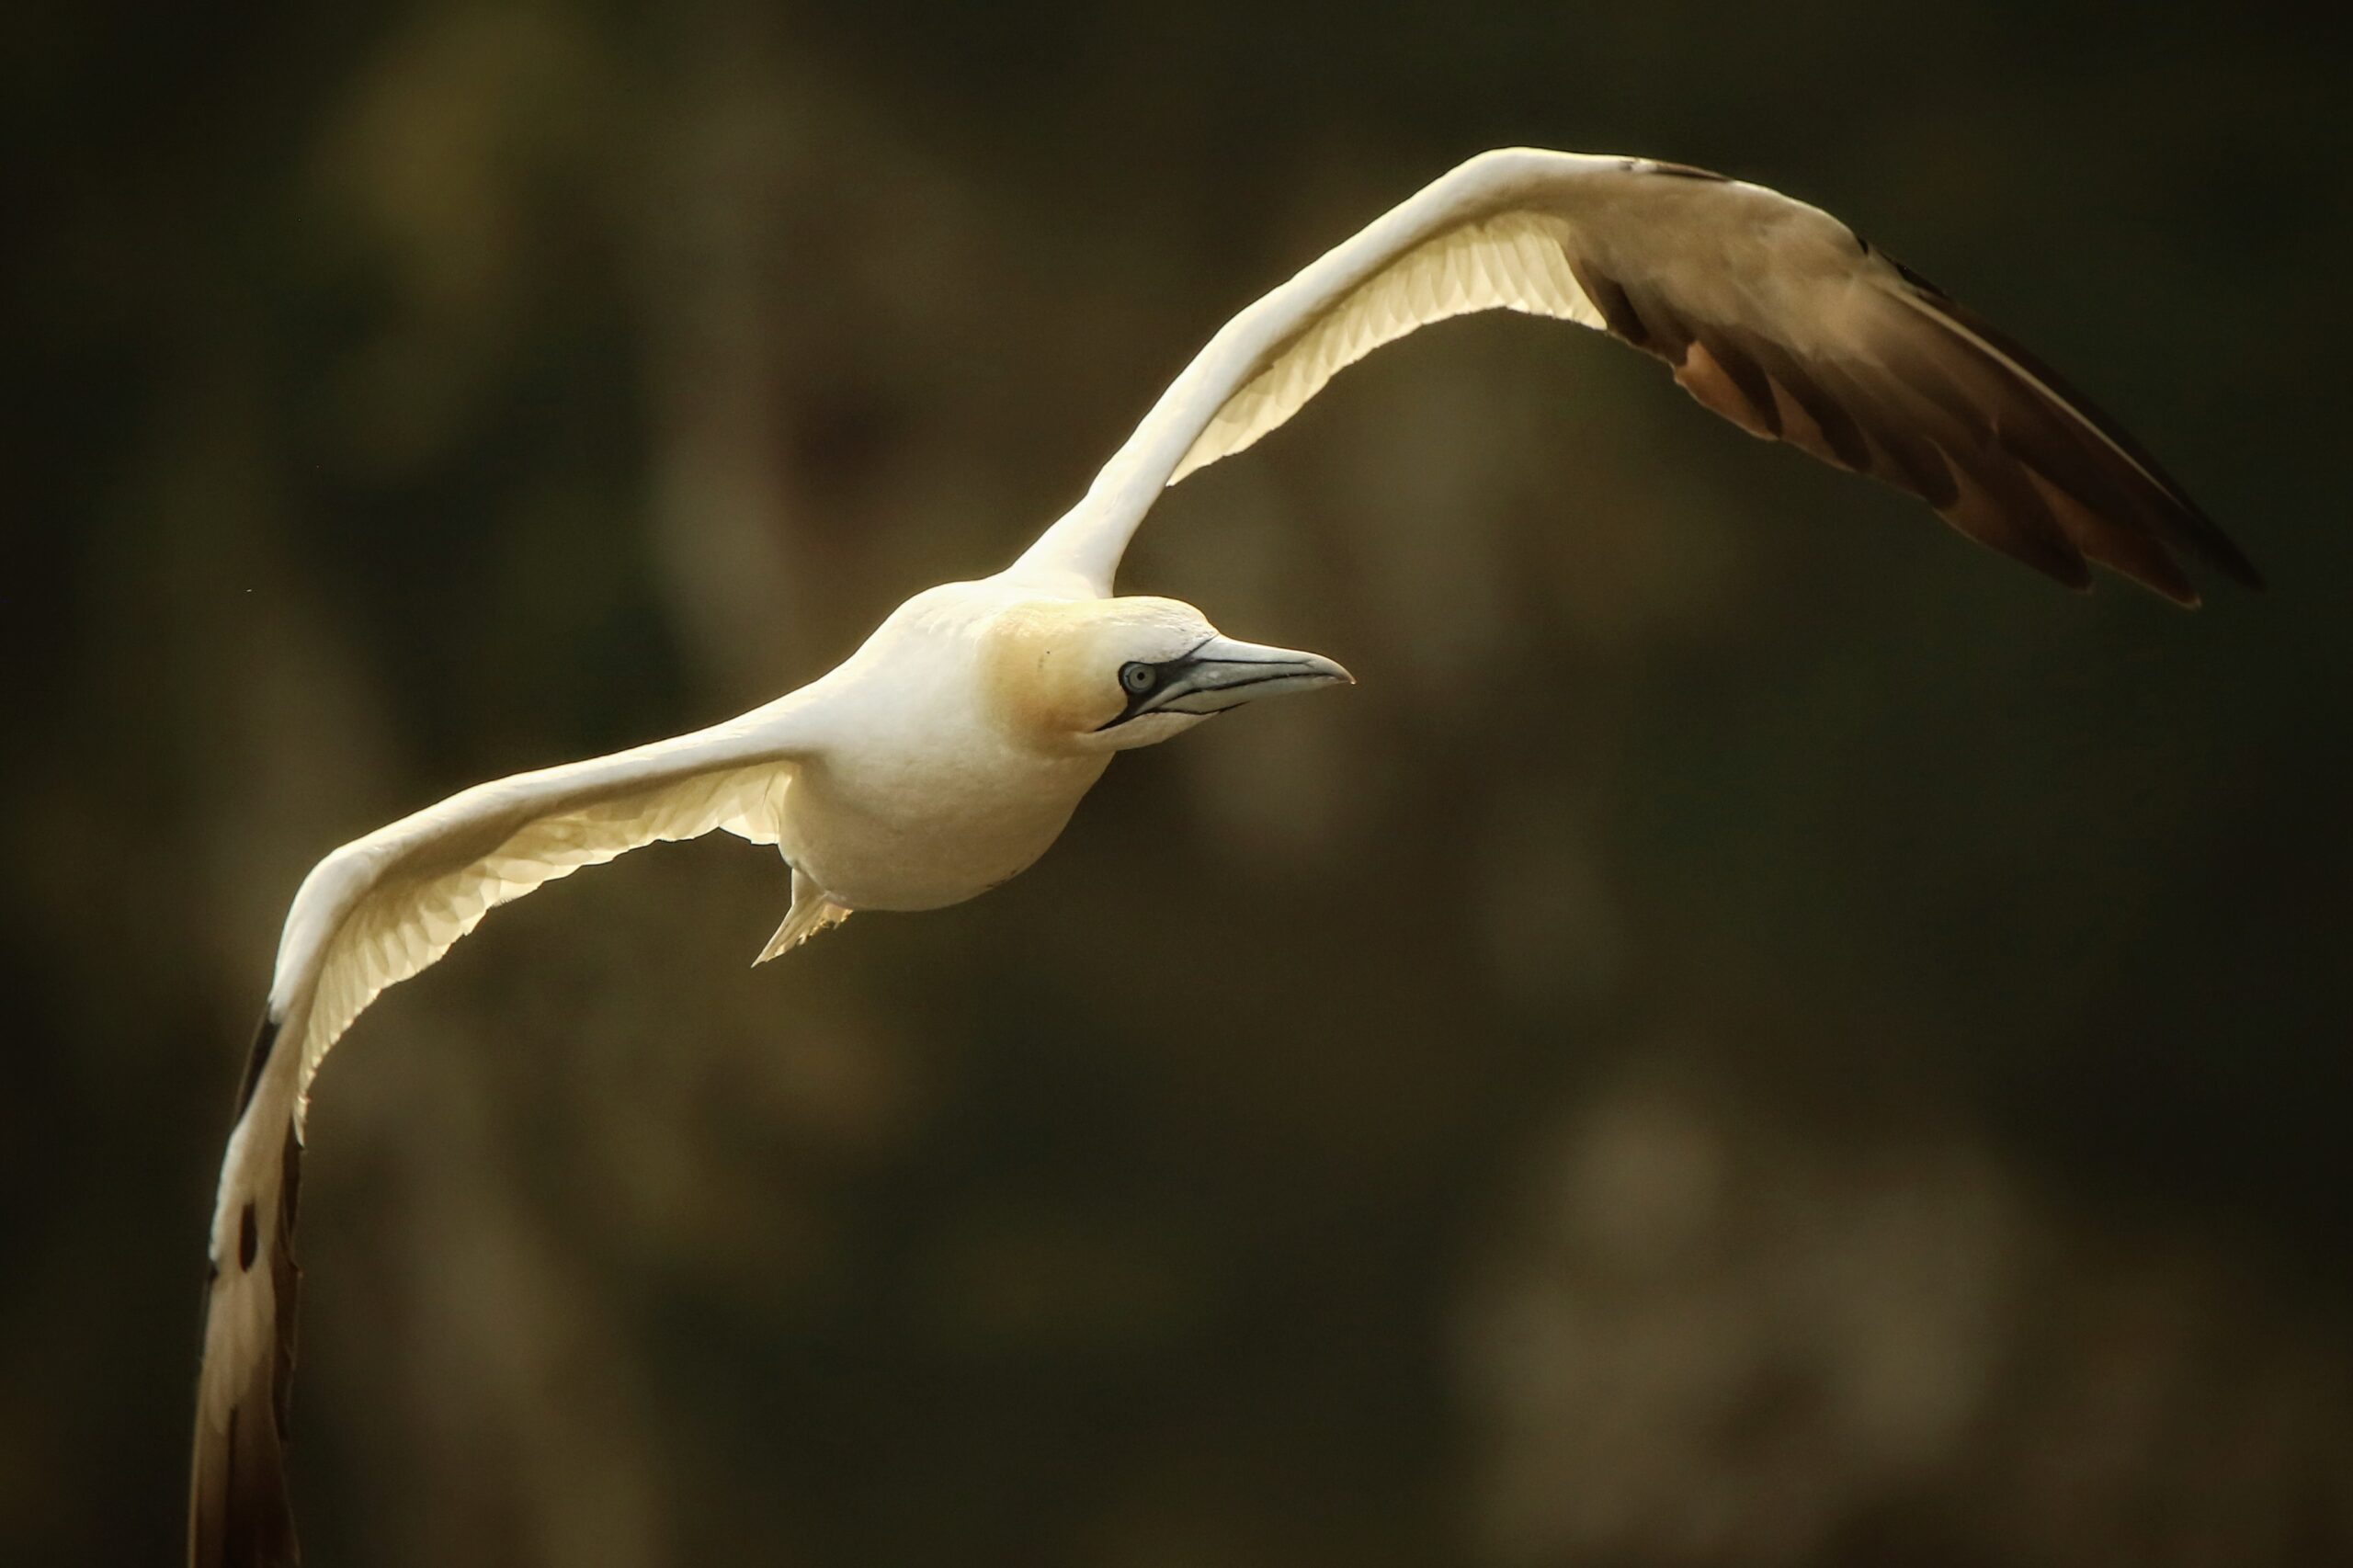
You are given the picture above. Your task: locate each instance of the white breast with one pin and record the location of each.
(924, 801)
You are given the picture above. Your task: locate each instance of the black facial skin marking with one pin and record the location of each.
(1161, 673)
(1137, 698)
(1152, 699)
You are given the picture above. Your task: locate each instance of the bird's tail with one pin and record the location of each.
(239, 1515)
(811, 913)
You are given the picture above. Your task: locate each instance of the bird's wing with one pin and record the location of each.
(1772, 312)
(370, 916)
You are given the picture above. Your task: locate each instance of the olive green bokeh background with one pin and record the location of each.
(1760, 1034)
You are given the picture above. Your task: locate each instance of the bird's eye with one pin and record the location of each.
(1138, 678)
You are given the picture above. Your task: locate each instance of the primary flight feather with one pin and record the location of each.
(947, 754)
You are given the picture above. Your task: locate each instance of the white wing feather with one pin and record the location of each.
(1516, 262)
(1462, 244)
(406, 893)
(370, 916)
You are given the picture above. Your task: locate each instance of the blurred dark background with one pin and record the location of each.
(1787, 1041)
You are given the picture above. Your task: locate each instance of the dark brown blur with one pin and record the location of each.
(1759, 1035)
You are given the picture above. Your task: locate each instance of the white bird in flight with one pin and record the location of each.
(948, 751)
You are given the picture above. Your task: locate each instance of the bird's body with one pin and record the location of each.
(903, 831)
(948, 752)
(919, 789)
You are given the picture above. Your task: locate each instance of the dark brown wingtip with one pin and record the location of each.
(1946, 408)
(1990, 524)
(2178, 520)
(2158, 573)
(241, 1513)
(2217, 551)
(257, 1060)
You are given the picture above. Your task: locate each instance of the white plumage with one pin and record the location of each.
(948, 752)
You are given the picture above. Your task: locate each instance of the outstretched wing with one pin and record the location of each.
(370, 916)
(1771, 313)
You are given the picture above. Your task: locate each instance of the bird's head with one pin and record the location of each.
(1111, 675)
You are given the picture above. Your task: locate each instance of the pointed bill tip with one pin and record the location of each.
(1330, 670)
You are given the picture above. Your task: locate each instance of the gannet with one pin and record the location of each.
(948, 751)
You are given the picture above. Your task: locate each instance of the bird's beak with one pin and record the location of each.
(1222, 674)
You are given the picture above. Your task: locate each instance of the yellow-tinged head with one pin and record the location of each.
(1110, 675)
